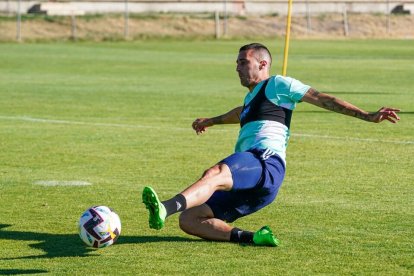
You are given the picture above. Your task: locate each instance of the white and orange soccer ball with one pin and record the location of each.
(99, 226)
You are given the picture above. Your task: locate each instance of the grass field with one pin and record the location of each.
(118, 116)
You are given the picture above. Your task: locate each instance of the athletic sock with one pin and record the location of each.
(175, 204)
(239, 236)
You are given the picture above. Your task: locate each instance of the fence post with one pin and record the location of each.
(225, 18)
(126, 20)
(308, 17)
(9, 11)
(73, 21)
(217, 24)
(18, 23)
(346, 27)
(388, 13)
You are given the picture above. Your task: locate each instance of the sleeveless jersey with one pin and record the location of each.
(266, 115)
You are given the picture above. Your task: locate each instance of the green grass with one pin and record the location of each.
(118, 115)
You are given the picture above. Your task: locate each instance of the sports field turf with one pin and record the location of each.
(118, 116)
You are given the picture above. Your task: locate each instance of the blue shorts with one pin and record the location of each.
(256, 182)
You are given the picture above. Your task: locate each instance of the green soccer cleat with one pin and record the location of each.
(265, 237)
(157, 212)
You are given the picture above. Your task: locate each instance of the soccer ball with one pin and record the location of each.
(99, 226)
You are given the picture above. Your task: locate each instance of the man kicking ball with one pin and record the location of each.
(249, 179)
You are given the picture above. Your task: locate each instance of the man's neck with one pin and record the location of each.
(252, 86)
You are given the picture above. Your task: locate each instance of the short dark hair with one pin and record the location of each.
(257, 47)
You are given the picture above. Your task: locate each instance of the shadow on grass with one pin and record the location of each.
(70, 245)
(21, 271)
(147, 239)
(54, 245)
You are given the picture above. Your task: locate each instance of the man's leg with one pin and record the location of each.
(214, 179)
(200, 221)
(217, 178)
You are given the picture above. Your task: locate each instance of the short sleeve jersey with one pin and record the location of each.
(268, 134)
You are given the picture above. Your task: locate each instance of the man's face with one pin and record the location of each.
(248, 68)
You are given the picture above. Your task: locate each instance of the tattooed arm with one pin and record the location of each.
(337, 105)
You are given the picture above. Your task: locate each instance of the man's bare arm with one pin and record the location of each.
(231, 117)
(337, 105)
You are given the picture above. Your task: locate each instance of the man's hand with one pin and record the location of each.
(384, 113)
(200, 125)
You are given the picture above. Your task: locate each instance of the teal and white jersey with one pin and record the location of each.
(265, 119)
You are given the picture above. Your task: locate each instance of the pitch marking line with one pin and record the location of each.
(53, 121)
(61, 183)
(65, 122)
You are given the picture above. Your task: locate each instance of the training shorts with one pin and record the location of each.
(257, 177)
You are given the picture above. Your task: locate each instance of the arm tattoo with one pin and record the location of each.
(314, 92)
(334, 104)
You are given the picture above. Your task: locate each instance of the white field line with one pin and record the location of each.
(53, 121)
(65, 122)
(62, 183)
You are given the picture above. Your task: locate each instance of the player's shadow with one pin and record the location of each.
(147, 239)
(54, 245)
(70, 245)
(21, 271)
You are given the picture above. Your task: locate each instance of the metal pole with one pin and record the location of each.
(287, 38)
(18, 24)
(9, 12)
(126, 21)
(225, 18)
(217, 21)
(346, 28)
(388, 17)
(74, 36)
(308, 17)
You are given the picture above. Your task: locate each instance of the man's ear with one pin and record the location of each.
(263, 64)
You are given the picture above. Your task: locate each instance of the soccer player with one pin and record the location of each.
(249, 179)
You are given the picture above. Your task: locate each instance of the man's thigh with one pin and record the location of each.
(246, 170)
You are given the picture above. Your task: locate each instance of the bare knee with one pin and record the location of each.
(219, 169)
(212, 171)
